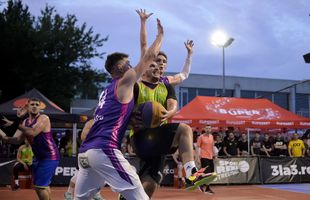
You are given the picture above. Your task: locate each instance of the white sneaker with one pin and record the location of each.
(68, 196)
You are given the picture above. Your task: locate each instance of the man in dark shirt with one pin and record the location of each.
(256, 145)
(279, 146)
(231, 145)
(243, 145)
(266, 149)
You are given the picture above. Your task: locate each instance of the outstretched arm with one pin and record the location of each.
(180, 77)
(143, 33)
(126, 83)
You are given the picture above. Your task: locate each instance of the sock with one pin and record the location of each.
(70, 190)
(189, 168)
(16, 182)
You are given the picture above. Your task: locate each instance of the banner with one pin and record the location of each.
(285, 170)
(65, 170)
(236, 170)
(6, 170)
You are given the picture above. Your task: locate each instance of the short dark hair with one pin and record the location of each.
(112, 59)
(34, 99)
(161, 53)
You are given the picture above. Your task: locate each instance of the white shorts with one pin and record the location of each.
(98, 167)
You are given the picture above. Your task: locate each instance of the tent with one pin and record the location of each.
(238, 112)
(55, 113)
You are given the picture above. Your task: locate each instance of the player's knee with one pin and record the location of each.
(185, 130)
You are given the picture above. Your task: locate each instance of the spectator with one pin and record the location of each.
(306, 139)
(296, 147)
(256, 145)
(279, 146)
(243, 145)
(24, 162)
(205, 145)
(266, 149)
(219, 145)
(231, 145)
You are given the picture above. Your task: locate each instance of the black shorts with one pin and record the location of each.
(205, 162)
(152, 146)
(155, 141)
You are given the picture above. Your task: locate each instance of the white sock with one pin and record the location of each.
(70, 190)
(188, 167)
(16, 182)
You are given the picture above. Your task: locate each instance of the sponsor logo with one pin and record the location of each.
(235, 122)
(260, 123)
(209, 122)
(181, 121)
(279, 170)
(304, 123)
(285, 123)
(168, 170)
(229, 168)
(65, 171)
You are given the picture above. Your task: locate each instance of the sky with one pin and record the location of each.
(270, 36)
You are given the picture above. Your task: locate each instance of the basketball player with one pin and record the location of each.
(153, 144)
(69, 194)
(100, 160)
(162, 57)
(37, 130)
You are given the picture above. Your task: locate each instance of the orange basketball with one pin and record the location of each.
(151, 113)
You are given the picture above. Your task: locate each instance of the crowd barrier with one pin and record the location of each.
(233, 170)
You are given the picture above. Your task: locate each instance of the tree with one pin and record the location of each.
(50, 53)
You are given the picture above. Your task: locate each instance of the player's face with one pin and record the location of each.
(34, 107)
(208, 129)
(153, 71)
(162, 64)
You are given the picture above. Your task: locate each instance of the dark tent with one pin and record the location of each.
(49, 108)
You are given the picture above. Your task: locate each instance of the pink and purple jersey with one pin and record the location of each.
(110, 121)
(164, 79)
(43, 145)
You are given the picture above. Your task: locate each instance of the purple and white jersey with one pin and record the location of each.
(110, 121)
(164, 79)
(43, 144)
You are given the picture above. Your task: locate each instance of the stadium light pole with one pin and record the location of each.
(220, 39)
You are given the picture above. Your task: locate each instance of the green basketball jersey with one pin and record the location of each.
(159, 94)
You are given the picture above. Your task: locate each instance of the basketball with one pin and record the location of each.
(151, 113)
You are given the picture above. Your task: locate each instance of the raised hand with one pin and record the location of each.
(21, 112)
(160, 28)
(189, 46)
(143, 15)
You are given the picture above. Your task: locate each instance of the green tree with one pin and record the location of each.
(51, 53)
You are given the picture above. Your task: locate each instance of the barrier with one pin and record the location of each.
(235, 170)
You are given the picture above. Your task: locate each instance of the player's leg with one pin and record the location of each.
(43, 172)
(69, 194)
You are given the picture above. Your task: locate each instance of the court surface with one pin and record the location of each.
(243, 192)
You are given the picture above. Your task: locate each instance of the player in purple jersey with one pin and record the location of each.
(161, 59)
(37, 130)
(100, 159)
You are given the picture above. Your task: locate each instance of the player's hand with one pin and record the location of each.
(143, 15)
(22, 111)
(7, 122)
(26, 167)
(165, 116)
(160, 28)
(189, 44)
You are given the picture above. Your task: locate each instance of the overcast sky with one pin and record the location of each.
(270, 35)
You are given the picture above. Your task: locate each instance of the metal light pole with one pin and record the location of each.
(220, 39)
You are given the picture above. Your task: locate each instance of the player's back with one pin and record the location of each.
(110, 121)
